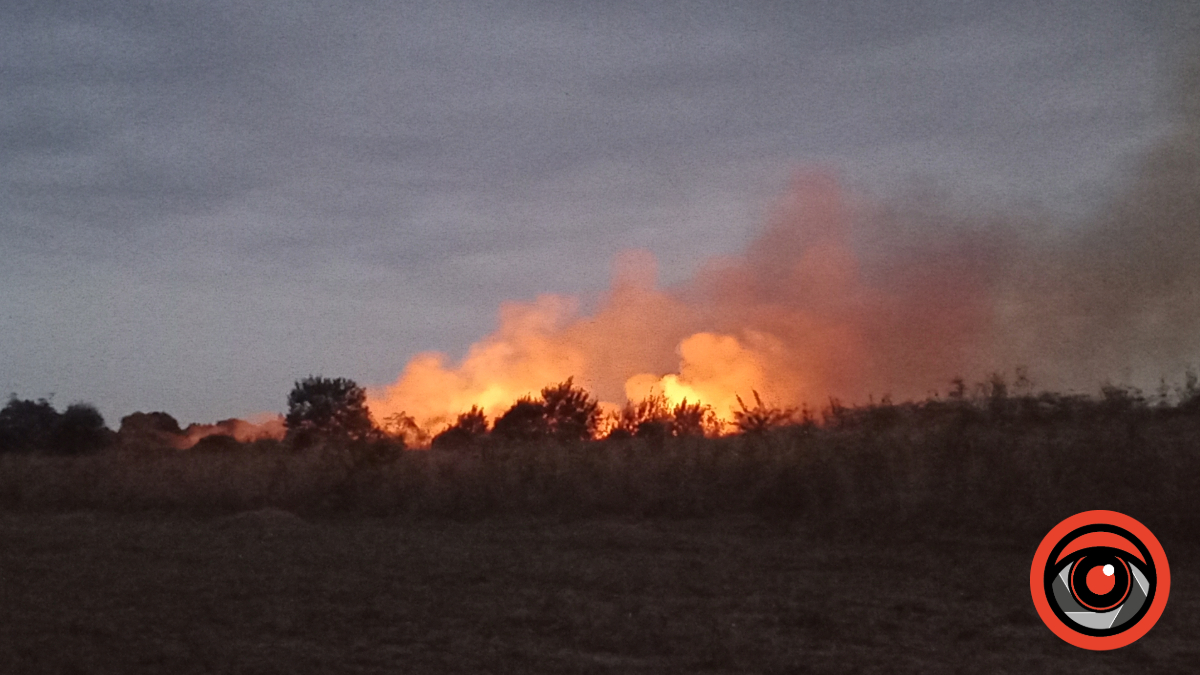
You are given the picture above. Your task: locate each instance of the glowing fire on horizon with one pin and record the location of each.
(795, 318)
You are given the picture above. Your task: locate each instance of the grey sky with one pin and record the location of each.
(201, 202)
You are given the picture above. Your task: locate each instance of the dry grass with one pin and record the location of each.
(951, 469)
(266, 592)
(893, 539)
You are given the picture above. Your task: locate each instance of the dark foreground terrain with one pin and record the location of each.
(267, 592)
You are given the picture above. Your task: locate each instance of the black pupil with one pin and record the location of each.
(1097, 562)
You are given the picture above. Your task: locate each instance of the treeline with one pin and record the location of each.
(36, 426)
(333, 411)
(995, 454)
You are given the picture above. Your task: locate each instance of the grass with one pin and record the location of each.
(267, 593)
(894, 463)
(891, 538)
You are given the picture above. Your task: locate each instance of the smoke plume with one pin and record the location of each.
(840, 297)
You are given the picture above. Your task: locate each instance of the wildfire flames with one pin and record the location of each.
(260, 426)
(845, 299)
(797, 317)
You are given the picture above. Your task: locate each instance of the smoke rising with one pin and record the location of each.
(1119, 299)
(259, 427)
(841, 297)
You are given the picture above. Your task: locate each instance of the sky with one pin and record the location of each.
(202, 202)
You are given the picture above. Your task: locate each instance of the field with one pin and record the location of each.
(267, 592)
(896, 539)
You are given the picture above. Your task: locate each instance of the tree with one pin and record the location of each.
(321, 408)
(27, 426)
(80, 430)
(469, 429)
(524, 421)
(403, 428)
(151, 431)
(571, 413)
(564, 413)
(649, 418)
(693, 419)
(33, 426)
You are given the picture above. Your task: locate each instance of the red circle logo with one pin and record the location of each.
(1100, 580)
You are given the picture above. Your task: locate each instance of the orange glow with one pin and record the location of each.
(713, 370)
(260, 426)
(797, 317)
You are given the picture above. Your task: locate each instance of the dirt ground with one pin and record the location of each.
(268, 592)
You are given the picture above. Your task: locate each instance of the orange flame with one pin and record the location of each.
(797, 317)
(259, 426)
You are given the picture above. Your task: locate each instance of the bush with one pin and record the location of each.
(218, 443)
(761, 417)
(648, 418)
(571, 413)
(654, 418)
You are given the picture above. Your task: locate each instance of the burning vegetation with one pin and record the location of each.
(997, 452)
(808, 371)
(798, 317)
(844, 298)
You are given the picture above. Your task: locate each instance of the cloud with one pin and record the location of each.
(421, 162)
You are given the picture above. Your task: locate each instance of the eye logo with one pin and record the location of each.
(1100, 580)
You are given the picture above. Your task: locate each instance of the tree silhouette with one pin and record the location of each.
(761, 417)
(140, 422)
(27, 426)
(151, 431)
(32, 426)
(571, 413)
(563, 413)
(80, 430)
(524, 421)
(693, 419)
(654, 418)
(321, 408)
(469, 429)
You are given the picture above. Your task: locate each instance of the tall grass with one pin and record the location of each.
(959, 463)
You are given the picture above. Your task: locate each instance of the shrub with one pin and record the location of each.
(694, 419)
(761, 417)
(648, 418)
(653, 417)
(563, 413)
(218, 443)
(403, 428)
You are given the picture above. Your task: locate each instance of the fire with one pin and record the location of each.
(797, 317)
(259, 426)
(713, 370)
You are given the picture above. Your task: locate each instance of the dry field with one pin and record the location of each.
(268, 592)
